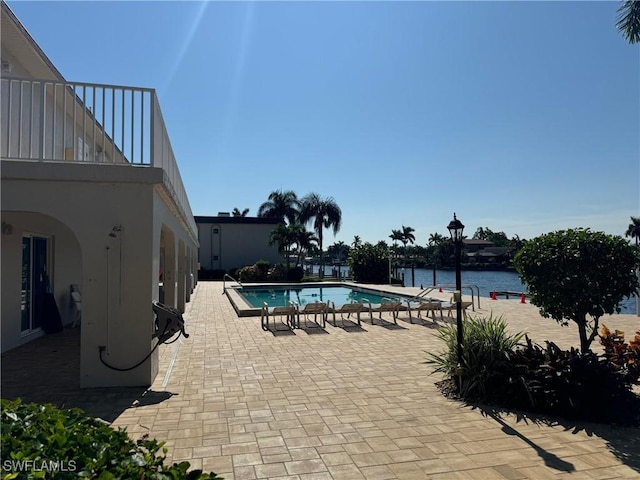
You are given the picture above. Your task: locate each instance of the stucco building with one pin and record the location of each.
(228, 242)
(92, 197)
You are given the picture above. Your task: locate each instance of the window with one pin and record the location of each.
(216, 231)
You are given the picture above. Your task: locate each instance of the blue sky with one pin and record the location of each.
(523, 117)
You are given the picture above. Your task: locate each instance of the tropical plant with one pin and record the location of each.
(486, 353)
(436, 239)
(624, 357)
(305, 241)
(325, 213)
(396, 236)
(237, 213)
(407, 236)
(633, 230)
(574, 273)
(58, 443)
(570, 383)
(285, 236)
(369, 263)
(628, 21)
(338, 251)
(357, 241)
(281, 205)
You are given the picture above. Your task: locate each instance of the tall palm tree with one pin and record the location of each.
(237, 213)
(633, 230)
(357, 241)
(396, 236)
(285, 237)
(628, 21)
(325, 213)
(436, 239)
(407, 237)
(305, 241)
(282, 205)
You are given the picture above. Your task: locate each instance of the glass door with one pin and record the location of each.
(35, 281)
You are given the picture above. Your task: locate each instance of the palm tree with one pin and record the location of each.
(628, 21)
(436, 239)
(407, 237)
(282, 205)
(325, 213)
(633, 230)
(285, 237)
(357, 241)
(396, 236)
(237, 213)
(305, 241)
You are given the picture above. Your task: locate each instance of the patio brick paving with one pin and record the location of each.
(345, 403)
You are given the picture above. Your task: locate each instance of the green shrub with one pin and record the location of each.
(623, 357)
(496, 369)
(573, 384)
(42, 441)
(277, 273)
(369, 263)
(254, 273)
(295, 274)
(486, 354)
(263, 266)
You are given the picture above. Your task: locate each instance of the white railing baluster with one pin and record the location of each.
(149, 141)
(9, 114)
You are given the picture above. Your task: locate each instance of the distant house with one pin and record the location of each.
(473, 245)
(483, 251)
(91, 198)
(228, 242)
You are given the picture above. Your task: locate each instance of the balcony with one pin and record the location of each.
(49, 121)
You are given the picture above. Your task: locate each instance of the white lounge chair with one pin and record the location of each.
(393, 307)
(348, 309)
(288, 313)
(422, 305)
(315, 309)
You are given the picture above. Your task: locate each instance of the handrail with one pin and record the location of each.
(224, 284)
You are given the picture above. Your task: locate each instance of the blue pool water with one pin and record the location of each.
(280, 296)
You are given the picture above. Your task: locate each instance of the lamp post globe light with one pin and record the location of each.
(456, 228)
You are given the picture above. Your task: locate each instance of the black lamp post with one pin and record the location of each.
(456, 228)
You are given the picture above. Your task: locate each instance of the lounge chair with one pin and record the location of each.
(315, 309)
(452, 306)
(347, 308)
(289, 313)
(393, 307)
(424, 305)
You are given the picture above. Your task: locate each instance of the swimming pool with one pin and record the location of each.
(281, 295)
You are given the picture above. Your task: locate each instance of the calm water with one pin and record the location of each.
(486, 282)
(280, 296)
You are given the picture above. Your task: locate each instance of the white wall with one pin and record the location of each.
(117, 309)
(66, 263)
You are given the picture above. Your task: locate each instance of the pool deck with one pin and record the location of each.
(333, 403)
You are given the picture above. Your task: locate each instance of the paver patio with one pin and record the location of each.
(336, 403)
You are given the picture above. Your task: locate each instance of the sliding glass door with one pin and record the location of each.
(35, 281)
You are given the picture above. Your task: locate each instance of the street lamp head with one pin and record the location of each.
(455, 228)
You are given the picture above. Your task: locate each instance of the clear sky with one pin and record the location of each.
(523, 117)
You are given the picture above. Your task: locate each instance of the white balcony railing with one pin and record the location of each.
(43, 120)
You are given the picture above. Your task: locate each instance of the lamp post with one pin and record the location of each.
(456, 228)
